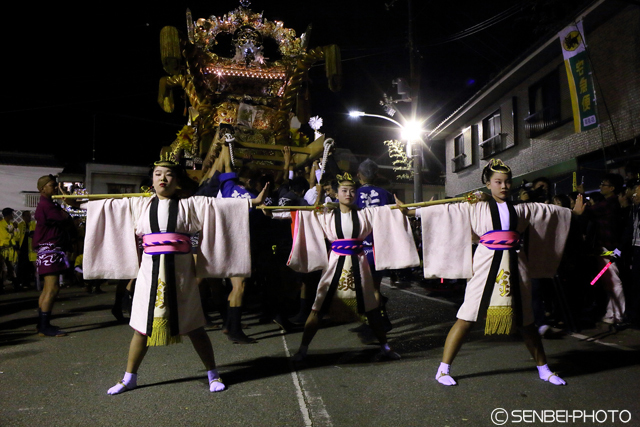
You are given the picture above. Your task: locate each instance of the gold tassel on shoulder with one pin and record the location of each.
(161, 334)
(499, 321)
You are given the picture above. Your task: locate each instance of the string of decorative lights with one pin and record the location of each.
(246, 73)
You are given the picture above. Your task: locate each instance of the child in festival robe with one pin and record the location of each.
(166, 303)
(346, 265)
(503, 265)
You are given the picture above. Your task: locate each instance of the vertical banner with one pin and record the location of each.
(579, 75)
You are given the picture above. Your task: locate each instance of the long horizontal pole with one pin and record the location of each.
(101, 196)
(299, 208)
(471, 198)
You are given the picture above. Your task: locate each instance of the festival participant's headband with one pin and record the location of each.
(346, 177)
(167, 160)
(495, 164)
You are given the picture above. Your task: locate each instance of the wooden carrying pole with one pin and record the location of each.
(299, 208)
(101, 196)
(470, 198)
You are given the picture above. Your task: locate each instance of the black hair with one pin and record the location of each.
(564, 200)
(615, 180)
(299, 185)
(631, 183)
(267, 177)
(247, 172)
(490, 169)
(541, 179)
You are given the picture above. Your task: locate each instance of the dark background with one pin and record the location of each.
(85, 77)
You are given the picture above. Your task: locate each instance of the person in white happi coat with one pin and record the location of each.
(346, 265)
(517, 243)
(166, 304)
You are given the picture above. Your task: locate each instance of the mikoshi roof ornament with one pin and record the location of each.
(243, 70)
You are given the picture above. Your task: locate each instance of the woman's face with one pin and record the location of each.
(557, 202)
(164, 182)
(500, 186)
(346, 195)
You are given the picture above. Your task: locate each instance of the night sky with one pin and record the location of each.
(73, 76)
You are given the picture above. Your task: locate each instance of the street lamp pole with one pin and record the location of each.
(412, 132)
(363, 114)
(414, 77)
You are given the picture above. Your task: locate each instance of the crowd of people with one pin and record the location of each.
(17, 257)
(603, 237)
(304, 241)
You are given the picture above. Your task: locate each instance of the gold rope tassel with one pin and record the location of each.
(161, 334)
(499, 321)
(345, 310)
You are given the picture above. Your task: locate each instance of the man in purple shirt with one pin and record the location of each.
(50, 240)
(369, 195)
(240, 186)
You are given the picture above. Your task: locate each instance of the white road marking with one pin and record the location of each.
(608, 344)
(312, 407)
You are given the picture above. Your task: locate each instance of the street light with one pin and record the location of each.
(363, 114)
(411, 131)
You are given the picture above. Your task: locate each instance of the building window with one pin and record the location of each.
(31, 198)
(545, 112)
(458, 147)
(493, 140)
(463, 148)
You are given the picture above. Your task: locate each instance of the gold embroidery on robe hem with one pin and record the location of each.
(500, 315)
(346, 282)
(344, 307)
(160, 295)
(504, 286)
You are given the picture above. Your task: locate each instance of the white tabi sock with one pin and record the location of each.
(301, 354)
(443, 376)
(547, 375)
(386, 351)
(215, 382)
(129, 382)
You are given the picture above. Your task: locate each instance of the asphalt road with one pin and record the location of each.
(63, 381)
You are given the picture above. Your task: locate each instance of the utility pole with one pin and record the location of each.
(414, 82)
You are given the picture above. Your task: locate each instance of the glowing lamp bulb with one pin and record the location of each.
(411, 131)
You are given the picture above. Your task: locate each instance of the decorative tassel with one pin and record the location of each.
(345, 310)
(499, 321)
(161, 334)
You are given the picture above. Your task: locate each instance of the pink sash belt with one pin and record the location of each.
(500, 240)
(166, 243)
(346, 247)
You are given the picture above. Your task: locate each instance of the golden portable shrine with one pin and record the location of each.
(245, 80)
